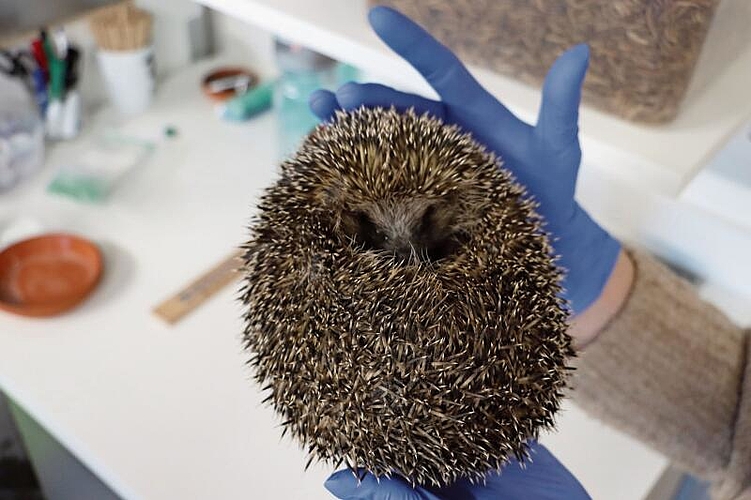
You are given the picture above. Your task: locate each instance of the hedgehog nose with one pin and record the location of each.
(403, 254)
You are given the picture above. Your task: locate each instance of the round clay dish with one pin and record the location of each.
(48, 274)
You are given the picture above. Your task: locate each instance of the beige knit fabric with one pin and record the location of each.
(674, 372)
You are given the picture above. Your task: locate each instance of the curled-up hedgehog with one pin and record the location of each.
(402, 301)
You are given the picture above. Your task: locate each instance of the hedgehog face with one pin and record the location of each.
(436, 372)
(413, 230)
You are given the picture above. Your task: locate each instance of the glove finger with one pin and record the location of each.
(433, 60)
(542, 477)
(469, 104)
(436, 63)
(561, 95)
(343, 484)
(354, 95)
(323, 104)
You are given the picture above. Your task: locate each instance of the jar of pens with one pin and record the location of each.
(123, 35)
(39, 93)
(49, 69)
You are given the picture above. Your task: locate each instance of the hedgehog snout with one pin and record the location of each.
(418, 237)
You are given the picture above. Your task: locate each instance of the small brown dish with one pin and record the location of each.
(227, 82)
(48, 274)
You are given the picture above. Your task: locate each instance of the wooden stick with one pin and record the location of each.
(201, 289)
(123, 27)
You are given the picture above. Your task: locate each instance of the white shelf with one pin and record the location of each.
(724, 185)
(660, 159)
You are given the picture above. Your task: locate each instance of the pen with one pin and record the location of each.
(71, 121)
(35, 77)
(60, 43)
(72, 60)
(40, 89)
(37, 50)
(56, 70)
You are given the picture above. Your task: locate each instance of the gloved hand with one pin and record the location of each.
(545, 158)
(543, 478)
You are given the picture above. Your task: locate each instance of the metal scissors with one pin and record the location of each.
(19, 65)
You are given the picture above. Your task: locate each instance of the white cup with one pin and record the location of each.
(129, 76)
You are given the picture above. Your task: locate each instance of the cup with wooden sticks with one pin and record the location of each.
(126, 56)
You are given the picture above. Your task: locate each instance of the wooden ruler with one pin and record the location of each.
(201, 289)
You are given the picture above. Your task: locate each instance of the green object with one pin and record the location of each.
(254, 101)
(99, 166)
(82, 188)
(57, 71)
(303, 71)
(170, 131)
(346, 73)
(295, 118)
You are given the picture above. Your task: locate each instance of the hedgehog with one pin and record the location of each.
(402, 301)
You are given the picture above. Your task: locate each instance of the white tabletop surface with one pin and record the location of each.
(162, 412)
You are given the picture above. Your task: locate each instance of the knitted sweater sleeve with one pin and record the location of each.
(675, 373)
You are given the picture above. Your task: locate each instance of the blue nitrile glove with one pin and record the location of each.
(543, 478)
(545, 158)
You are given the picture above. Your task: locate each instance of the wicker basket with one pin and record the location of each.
(643, 52)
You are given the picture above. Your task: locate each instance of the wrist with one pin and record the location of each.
(585, 327)
(588, 256)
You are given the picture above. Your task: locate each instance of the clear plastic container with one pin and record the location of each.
(302, 72)
(100, 163)
(21, 134)
(643, 52)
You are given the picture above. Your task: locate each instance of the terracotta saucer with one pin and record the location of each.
(48, 274)
(225, 72)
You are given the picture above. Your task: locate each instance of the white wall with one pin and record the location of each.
(252, 46)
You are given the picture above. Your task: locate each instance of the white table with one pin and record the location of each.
(169, 412)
